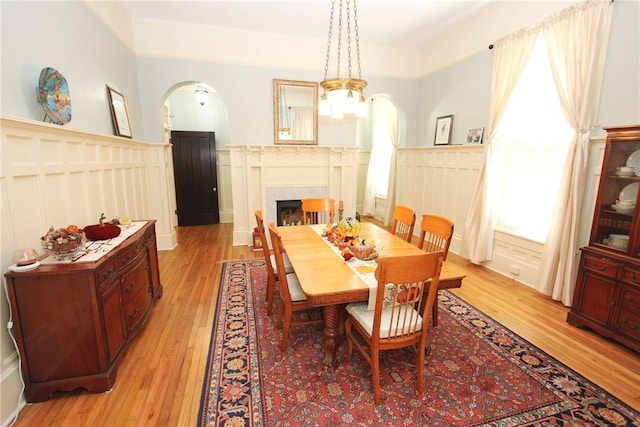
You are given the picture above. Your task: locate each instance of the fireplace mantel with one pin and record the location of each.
(257, 171)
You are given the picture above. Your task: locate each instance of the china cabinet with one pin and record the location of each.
(607, 294)
(73, 321)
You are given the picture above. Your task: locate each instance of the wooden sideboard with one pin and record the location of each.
(72, 322)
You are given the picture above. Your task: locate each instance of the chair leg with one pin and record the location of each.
(420, 367)
(434, 312)
(280, 315)
(375, 373)
(271, 285)
(285, 330)
(347, 333)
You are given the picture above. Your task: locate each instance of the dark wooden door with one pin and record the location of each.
(194, 169)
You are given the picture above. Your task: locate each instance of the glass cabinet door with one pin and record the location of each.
(617, 211)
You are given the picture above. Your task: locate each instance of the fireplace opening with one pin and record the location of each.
(289, 212)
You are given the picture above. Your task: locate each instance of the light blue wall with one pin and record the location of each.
(464, 89)
(68, 37)
(620, 100)
(248, 94)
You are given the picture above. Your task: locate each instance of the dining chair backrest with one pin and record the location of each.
(406, 291)
(405, 283)
(404, 219)
(278, 250)
(271, 273)
(318, 210)
(292, 297)
(263, 238)
(435, 234)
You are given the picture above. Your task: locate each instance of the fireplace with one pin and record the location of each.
(289, 212)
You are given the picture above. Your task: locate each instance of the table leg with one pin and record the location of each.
(334, 334)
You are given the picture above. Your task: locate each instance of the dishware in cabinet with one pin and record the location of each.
(604, 291)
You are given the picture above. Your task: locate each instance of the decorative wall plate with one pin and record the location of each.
(53, 94)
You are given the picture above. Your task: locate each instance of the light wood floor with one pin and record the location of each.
(159, 379)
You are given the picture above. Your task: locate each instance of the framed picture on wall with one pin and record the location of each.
(119, 114)
(443, 130)
(475, 136)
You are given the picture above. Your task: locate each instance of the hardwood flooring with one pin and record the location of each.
(159, 379)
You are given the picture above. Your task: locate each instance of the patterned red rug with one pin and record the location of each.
(478, 373)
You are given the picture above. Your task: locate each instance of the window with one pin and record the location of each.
(534, 137)
(382, 148)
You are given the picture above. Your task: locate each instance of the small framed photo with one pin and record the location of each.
(443, 130)
(475, 136)
(119, 114)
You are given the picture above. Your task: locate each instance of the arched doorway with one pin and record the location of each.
(194, 120)
(383, 130)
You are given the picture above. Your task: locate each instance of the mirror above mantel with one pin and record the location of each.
(295, 112)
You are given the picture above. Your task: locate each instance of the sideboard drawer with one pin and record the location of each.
(603, 266)
(136, 309)
(105, 272)
(136, 281)
(631, 276)
(125, 259)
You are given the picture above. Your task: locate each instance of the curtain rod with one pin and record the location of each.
(491, 45)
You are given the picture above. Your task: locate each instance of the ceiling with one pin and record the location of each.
(400, 23)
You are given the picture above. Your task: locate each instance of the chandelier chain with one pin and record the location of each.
(355, 26)
(349, 37)
(339, 40)
(326, 65)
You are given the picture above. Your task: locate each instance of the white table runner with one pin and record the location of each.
(94, 250)
(364, 269)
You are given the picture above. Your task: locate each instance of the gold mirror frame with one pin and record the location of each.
(295, 100)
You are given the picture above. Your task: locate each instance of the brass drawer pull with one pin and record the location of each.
(107, 274)
(130, 287)
(598, 266)
(632, 301)
(628, 324)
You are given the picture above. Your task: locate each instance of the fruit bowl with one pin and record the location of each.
(63, 243)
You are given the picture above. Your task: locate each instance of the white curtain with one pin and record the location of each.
(577, 42)
(510, 58)
(382, 110)
(301, 123)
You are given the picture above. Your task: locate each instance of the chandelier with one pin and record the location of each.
(201, 94)
(343, 95)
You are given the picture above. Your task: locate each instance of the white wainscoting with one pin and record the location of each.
(225, 196)
(441, 180)
(259, 170)
(51, 175)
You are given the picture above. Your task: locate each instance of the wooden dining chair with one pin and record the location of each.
(318, 210)
(270, 261)
(403, 285)
(435, 235)
(292, 298)
(404, 219)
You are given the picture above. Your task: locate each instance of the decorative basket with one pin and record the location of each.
(63, 243)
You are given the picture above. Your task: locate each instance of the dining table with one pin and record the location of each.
(330, 282)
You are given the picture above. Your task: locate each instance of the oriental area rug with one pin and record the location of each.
(478, 373)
